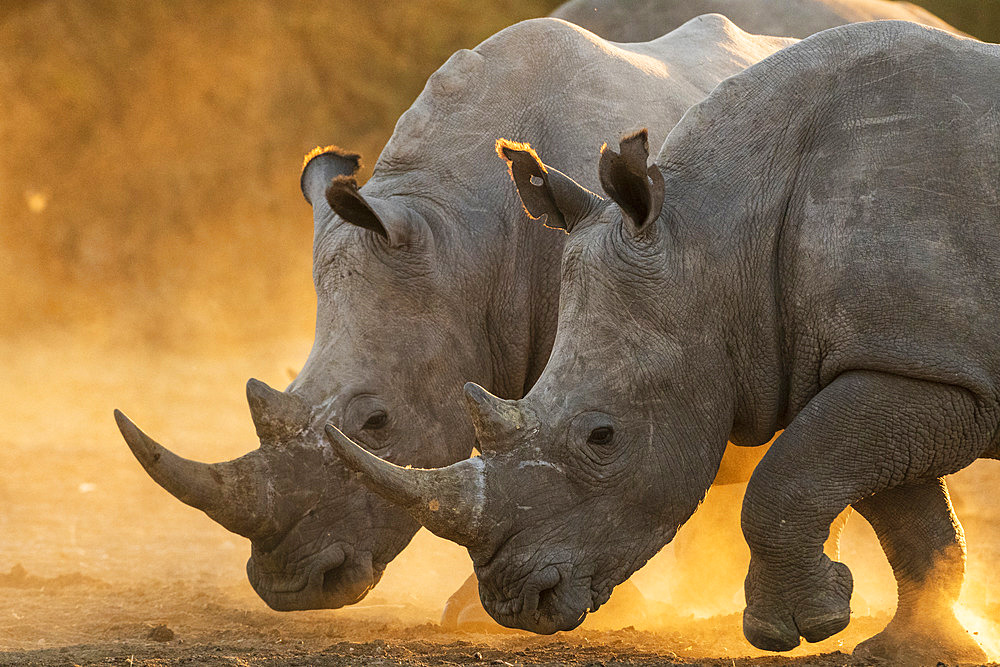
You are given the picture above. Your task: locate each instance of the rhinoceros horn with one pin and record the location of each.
(447, 501)
(231, 493)
(276, 415)
(495, 419)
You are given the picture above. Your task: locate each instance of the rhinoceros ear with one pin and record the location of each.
(636, 188)
(320, 166)
(346, 201)
(393, 222)
(547, 191)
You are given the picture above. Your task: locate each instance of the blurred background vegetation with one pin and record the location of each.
(151, 151)
(979, 18)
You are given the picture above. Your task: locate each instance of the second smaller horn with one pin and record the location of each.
(494, 418)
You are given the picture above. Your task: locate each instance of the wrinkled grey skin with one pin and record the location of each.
(824, 261)
(641, 20)
(434, 277)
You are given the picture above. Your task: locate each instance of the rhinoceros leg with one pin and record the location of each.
(832, 545)
(864, 433)
(464, 611)
(925, 545)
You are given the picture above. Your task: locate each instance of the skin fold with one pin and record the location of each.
(814, 251)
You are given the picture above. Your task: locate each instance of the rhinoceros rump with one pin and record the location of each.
(824, 262)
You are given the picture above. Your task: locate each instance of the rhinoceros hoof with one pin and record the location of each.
(922, 641)
(776, 620)
(768, 636)
(818, 628)
(474, 618)
(465, 612)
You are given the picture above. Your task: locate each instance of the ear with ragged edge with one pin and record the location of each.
(634, 186)
(547, 191)
(320, 166)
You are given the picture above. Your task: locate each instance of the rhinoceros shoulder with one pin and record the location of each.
(517, 60)
(710, 41)
(550, 71)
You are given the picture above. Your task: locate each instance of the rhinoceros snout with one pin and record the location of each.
(549, 603)
(336, 578)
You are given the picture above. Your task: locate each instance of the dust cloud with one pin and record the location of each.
(155, 253)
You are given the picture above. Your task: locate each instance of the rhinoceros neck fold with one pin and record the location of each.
(732, 216)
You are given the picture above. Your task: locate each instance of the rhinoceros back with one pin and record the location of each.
(646, 19)
(563, 89)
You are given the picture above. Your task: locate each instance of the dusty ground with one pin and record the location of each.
(98, 566)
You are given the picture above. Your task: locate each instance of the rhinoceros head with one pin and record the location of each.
(386, 367)
(586, 477)
(276, 496)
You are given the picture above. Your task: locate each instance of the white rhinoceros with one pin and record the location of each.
(815, 251)
(426, 277)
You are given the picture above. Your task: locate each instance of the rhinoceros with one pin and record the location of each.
(815, 249)
(426, 277)
(642, 20)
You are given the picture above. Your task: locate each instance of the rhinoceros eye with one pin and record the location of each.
(602, 436)
(376, 421)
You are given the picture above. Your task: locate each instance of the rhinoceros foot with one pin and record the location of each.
(767, 634)
(626, 606)
(923, 639)
(814, 608)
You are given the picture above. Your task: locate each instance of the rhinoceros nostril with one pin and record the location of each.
(540, 591)
(333, 579)
(334, 567)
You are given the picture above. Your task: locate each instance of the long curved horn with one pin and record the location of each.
(494, 419)
(447, 501)
(229, 492)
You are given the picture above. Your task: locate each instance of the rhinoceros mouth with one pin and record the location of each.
(334, 580)
(549, 602)
(330, 558)
(539, 621)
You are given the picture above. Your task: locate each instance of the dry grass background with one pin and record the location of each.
(150, 151)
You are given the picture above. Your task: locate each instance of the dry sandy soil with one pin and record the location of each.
(98, 566)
